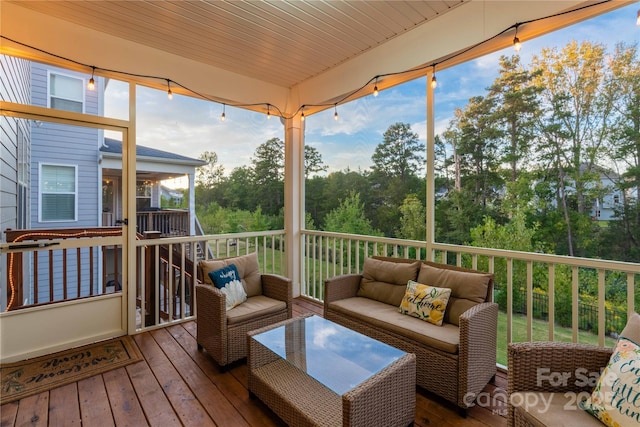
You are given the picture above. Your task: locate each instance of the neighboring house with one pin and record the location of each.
(605, 198)
(171, 195)
(57, 176)
(153, 167)
(613, 198)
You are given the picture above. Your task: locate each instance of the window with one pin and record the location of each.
(58, 193)
(143, 195)
(23, 181)
(66, 93)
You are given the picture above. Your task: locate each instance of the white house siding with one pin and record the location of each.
(14, 87)
(66, 145)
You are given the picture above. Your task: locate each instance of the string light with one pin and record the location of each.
(516, 41)
(434, 81)
(223, 116)
(268, 111)
(302, 115)
(169, 93)
(92, 83)
(335, 114)
(448, 58)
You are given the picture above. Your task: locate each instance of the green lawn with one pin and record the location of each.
(540, 333)
(273, 260)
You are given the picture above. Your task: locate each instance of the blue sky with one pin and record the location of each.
(189, 126)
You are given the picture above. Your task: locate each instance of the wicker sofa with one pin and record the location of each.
(455, 360)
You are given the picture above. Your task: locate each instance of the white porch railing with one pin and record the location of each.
(518, 276)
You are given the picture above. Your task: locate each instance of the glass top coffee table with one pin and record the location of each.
(311, 371)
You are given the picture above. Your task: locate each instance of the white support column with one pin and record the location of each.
(430, 205)
(192, 204)
(129, 211)
(294, 198)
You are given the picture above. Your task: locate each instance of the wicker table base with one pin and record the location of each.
(385, 398)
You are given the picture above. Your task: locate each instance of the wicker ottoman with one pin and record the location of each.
(313, 372)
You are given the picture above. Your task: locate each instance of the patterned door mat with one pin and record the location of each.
(32, 376)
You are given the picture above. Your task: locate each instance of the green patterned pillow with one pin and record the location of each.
(616, 398)
(425, 302)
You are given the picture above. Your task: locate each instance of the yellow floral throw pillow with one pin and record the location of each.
(425, 302)
(616, 398)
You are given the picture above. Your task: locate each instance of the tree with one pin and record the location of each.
(477, 150)
(452, 137)
(516, 236)
(578, 111)
(349, 217)
(239, 193)
(413, 220)
(268, 175)
(400, 154)
(210, 174)
(517, 108)
(313, 161)
(623, 234)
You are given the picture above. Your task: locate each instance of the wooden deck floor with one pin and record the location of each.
(178, 385)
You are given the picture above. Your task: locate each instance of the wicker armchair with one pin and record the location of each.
(222, 333)
(535, 371)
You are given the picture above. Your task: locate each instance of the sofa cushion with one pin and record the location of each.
(632, 328)
(249, 269)
(551, 409)
(386, 317)
(425, 302)
(616, 396)
(247, 266)
(253, 308)
(207, 267)
(386, 281)
(467, 288)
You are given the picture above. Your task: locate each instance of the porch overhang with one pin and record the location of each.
(68, 32)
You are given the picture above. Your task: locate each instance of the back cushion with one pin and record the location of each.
(248, 268)
(467, 288)
(207, 267)
(386, 281)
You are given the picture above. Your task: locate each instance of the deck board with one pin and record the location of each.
(178, 385)
(64, 408)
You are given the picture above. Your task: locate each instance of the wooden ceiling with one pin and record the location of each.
(280, 42)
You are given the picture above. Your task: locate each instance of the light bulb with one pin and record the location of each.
(434, 82)
(92, 83)
(223, 116)
(516, 44)
(169, 93)
(302, 117)
(335, 114)
(268, 112)
(375, 90)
